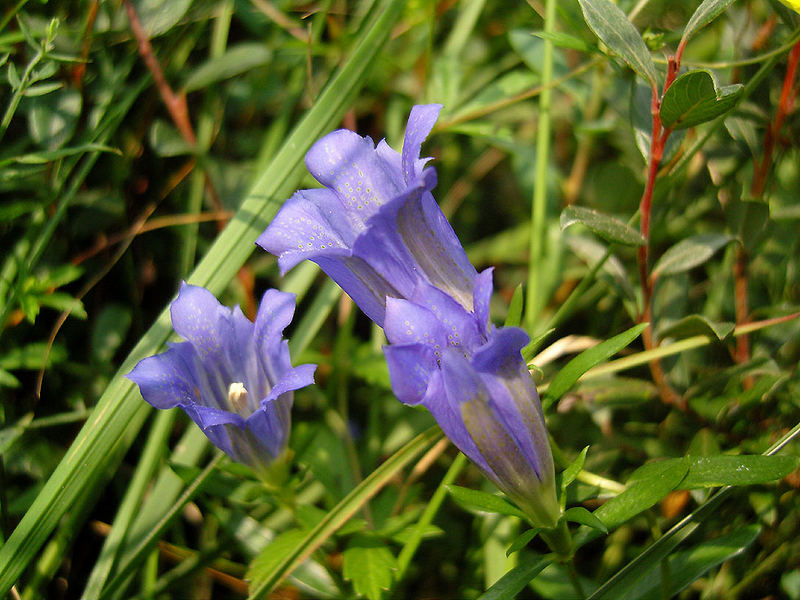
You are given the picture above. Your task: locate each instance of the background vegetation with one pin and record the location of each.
(141, 137)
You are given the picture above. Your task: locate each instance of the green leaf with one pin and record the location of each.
(272, 554)
(517, 579)
(40, 158)
(644, 490)
(571, 472)
(159, 16)
(65, 303)
(611, 25)
(32, 357)
(705, 13)
(747, 220)
(578, 514)
(236, 60)
(697, 325)
(514, 316)
(587, 359)
(609, 228)
(475, 500)
(522, 540)
(715, 471)
(693, 99)
(339, 514)
(689, 253)
(369, 564)
(166, 141)
(10, 434)
(564, 40)
(689, 565)
(52, 119)
(109, 331)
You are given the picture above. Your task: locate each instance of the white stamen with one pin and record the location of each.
(237, 397)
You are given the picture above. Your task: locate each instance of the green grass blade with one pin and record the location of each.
(120, 406)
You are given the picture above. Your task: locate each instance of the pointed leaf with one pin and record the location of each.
(705, 13)
(607, 227)
(715, 471)
(697, 325)
(578, 514)
(587, 359)
(517, 579)
(514, 316)
(611, 25)
(571, 472)
(690, 253)
(642, 493)
(522, 540)
(475, 500)
(693, 99)
(236, 60)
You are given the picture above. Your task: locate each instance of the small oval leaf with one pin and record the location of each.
(693, 99)
(690, 253)
(607, 227)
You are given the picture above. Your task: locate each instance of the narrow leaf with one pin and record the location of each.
(517, 579)
(693, 99)
(642, 493)
(697, 325)
(578, 514)
(236, 60)
(564, 40)
(715, 471)
(689, 253)
(611, 25)
(587, 359)
(522, 540)
(571, 472)
(514, 316)
(705, 13)
(607, 227)
(475, 500)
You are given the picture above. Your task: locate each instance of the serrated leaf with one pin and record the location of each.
(237, 59)
(522, 540)
(587, 359)
(643, 491)
(705, 13)
(693, 99)
(514, 315)
(571, 472)
(612, 26)
(609, 228)
(578, 514)
(475, 500)
(689, 253)
(369, 564)
(693, 325)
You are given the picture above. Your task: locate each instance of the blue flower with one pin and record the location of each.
(232, 377)
(473, 380)
(374, 227)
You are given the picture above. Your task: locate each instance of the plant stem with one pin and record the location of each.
(535, 297)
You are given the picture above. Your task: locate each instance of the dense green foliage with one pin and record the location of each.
(625, 163)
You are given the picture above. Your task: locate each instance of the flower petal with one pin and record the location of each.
(164, 380)
(311, 223)
(348, 164)
(197, 316)
(410, 323)
(410, 369)
(420, 122)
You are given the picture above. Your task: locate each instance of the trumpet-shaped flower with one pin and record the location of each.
(233, 377)
(472, 378)
(374, 227)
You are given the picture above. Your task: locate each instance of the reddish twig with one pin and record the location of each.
(760, 176)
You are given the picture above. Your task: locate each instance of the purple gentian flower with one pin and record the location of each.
(233, 377)
(374, 228)
(472, 378)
